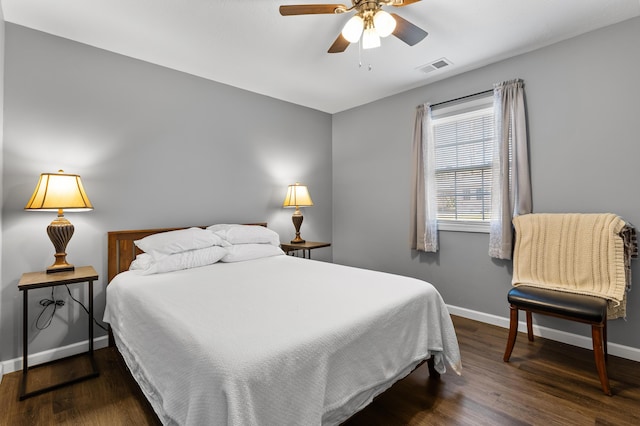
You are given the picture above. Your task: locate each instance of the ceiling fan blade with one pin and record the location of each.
(311, 9)
(402, 3)
(408, 32)
(340, 45)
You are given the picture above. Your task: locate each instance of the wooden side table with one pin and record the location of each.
(306, 248)
(33, 280)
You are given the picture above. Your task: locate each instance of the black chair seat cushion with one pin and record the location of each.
(579, 306)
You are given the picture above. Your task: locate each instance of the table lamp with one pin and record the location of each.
(297, 196)
(57, 192)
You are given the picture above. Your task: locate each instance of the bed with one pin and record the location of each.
(269, 340)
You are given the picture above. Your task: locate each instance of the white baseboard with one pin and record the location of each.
(15, 364)
(615, 349)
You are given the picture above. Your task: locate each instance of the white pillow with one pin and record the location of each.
(246, 234)
(164, 243)
(242, 252)
(184, 260)
(142, 261)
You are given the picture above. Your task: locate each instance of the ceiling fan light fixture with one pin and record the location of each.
(353, 29)
(370, 38)
(384, 23)
(368, 23)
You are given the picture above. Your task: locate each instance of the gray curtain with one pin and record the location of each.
(424, 220)
(508, 199)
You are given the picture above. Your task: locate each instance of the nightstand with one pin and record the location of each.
(33, 280)
(306, 248)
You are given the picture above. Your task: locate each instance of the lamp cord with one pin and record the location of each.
(45, 303)
(84, 307)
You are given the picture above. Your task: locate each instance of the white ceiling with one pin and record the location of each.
(247, 44)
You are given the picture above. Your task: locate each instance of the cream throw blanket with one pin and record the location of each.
(577, 253)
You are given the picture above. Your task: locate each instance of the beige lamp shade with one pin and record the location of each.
(58, 192)
(297, 196)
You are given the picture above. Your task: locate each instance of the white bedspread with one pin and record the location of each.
(274, 341)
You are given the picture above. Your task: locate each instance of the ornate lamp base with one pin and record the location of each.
(297, 223)
(60, 232)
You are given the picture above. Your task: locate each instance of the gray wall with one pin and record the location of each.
(1, 144)
(155, 148)
(582, 97)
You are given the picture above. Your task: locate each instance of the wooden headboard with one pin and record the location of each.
(122, 251)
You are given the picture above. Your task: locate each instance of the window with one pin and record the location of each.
(470, 168)
(464, 143)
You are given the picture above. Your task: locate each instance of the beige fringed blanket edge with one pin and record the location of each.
(577, 253)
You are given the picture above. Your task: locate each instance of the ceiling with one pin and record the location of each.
(249, 45)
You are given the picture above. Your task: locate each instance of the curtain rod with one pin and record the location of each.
(462, 97)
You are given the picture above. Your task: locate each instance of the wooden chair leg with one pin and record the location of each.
(530, 325)
(599, 355)
(513, 332)
(604, 338)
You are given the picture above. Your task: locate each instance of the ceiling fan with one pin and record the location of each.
(369, 21)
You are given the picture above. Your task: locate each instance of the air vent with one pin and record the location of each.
(435, 65)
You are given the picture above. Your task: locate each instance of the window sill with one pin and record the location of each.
(462, 226)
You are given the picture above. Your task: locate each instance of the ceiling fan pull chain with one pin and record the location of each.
(369, 67)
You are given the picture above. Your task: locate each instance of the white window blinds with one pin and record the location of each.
(464, 136)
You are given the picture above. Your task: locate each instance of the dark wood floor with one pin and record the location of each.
(546, 383)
